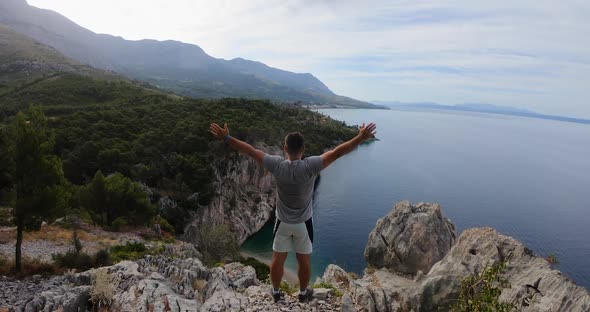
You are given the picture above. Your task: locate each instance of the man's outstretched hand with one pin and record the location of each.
(368, 132)
(218, 132)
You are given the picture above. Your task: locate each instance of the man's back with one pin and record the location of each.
(293, 230)
(295, 182)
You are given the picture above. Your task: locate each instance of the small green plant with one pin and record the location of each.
(481, 292)
(129, 251)
(552, 259)
(288, 288)
(337, 292)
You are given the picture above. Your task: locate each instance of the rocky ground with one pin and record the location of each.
(416, 263)
(52, 239)
(158, 284)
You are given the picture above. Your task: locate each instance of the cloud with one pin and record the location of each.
(532, 54)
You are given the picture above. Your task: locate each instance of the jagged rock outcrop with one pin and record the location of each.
(479, 247)
(411, 238)
(384, 290)
(245, 197)
(336, 276)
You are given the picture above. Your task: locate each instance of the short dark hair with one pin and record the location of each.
(294, 143)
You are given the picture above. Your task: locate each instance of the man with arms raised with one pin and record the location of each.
(295, 178)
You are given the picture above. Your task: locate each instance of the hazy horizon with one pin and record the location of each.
(529, 55)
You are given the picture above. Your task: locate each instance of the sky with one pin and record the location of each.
(532, 54)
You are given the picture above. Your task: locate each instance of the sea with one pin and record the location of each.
(528, 178)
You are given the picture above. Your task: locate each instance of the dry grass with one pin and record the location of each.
(31, 266)
(106, 241)
(199, 284)
(104, 288)
(353, 275)
(56, 233)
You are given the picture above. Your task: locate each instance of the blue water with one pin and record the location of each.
(528, 178)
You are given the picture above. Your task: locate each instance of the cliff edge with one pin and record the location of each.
(416, 263)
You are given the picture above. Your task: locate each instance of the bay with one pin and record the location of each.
(528, 178)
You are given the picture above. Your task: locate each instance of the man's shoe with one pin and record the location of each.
(307, 296)
(277, 296)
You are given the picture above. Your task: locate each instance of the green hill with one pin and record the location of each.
(161, 140)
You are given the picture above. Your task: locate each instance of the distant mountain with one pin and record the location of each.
(179, 67)
(479, 108)
(22, 59)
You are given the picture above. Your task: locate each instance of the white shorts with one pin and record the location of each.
(293, 237)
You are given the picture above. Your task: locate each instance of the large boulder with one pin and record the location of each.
(383, 291)
(241, 276)
(336, 276)
(411, 238)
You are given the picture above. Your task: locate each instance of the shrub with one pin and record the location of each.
(73, 260)
(164, 225)
(481, 292)
(119, 224)
(217, 243)
(104, 288)
(262, 270)
(129, 251)
(76, 243)
(4, 266)
(102, 258)
(6, 217)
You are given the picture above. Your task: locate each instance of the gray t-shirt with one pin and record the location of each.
(295, 181)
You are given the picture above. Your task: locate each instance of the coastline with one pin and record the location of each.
(289, 275)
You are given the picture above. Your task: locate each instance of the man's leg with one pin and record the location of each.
(304, 270)
(276, 268)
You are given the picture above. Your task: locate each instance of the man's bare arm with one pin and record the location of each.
(241, 146)
(365, 133)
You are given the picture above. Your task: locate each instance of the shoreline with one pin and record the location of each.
(289, 275)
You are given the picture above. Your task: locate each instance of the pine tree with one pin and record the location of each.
(38, 177)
